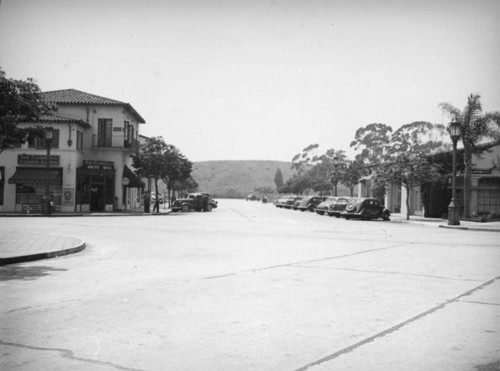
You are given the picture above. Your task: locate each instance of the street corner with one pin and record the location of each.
(25, 247)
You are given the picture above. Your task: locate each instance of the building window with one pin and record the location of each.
(104, 132)
(39, 143)
(488, 201)
(2, 182)
(126, 133)
(79, 140)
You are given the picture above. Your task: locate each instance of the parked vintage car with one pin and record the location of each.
(252, 197)
(293, 203)
(365, 208)
(309, 203)
(322, 208)
(338, 206)
(194, 201)
(282, 201)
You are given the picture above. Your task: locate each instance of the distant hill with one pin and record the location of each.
(236, 179)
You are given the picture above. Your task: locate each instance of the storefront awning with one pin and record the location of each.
(130, 179)
(34, 176)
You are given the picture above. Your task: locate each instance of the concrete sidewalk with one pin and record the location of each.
(443, 223)
(25, 247)
(18, 248)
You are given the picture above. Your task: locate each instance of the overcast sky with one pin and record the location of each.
(260, 79)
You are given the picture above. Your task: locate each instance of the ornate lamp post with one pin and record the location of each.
(48, 144)
(453, 208)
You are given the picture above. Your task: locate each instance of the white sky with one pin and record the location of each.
(260, 79)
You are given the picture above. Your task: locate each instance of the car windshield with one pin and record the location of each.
(354, 201)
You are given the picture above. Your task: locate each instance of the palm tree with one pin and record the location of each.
(475, 125)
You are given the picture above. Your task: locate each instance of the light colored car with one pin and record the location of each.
(322, 208)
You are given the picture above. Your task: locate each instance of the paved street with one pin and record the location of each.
(252, 287)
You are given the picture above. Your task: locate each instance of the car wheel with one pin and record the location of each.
(363, 215)
(186, 208)
(320, 212)
(386, 215)
(209, 208)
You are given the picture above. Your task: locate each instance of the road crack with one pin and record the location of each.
(396, 327)
(69, 354)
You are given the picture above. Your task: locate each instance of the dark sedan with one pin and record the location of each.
(309, 203)
(364, 209)
(194, 201)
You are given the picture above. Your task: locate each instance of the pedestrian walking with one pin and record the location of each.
(156, 207)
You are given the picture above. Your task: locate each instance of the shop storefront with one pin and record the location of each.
(30, 179)
(95, 186)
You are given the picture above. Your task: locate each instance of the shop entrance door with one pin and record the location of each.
(97, 197)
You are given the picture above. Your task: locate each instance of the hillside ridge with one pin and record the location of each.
(238, 178)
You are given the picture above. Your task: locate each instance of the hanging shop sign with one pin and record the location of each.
(24, 159)
(481, 171)
(98, 165)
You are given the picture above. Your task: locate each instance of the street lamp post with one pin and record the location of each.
(48, 144)
(453, 208)
(336, 162)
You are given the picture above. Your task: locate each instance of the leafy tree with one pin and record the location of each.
(158, 160)
(301, 162)
(353, 172)
(319, 176)
(187, 185)
(278, 179)
(20, 101)
(407, 170)
(151, 161)
(372, 140)
(178, 167)
(296, 185)
(475, 125)
(334, 162)
(420, 136)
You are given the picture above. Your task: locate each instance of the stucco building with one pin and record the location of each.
(485, 187)
(90, 158)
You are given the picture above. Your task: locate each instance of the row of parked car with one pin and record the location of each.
(346, 207)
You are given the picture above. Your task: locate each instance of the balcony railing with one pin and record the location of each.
(116, 141)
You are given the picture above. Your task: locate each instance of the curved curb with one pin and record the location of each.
(45, 255)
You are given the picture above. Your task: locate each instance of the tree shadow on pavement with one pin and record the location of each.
(489, 367)
(26, 273)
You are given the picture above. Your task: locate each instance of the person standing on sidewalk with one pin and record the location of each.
(147, 201)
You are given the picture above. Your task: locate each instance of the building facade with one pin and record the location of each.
(484, 192)
(90, 163)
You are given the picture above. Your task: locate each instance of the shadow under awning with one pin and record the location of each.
(130, 179)
(33, 176)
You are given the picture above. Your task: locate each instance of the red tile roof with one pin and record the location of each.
(73, 96)
(62, 119)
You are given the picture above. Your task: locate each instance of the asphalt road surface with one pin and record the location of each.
(252, 287)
